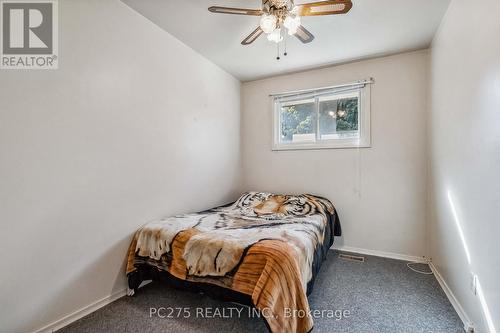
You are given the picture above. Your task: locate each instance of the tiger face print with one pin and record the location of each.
(264, 204)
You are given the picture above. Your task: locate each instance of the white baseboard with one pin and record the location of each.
(451, 297)
(72, 317)
(383, 254)
(66, 320)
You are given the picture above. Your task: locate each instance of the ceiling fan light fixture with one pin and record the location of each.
(268, 23)
(278, 17)
(275, 36)
(292, 23)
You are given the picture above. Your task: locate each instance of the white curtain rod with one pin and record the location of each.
(296, 92)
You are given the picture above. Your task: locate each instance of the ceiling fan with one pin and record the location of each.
(276, 16)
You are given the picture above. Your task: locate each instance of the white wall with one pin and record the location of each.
(464, 183)
(379, 191)
(134, 125)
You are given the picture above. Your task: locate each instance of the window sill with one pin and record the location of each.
(316, 146)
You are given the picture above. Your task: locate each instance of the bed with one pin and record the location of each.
(264, 250)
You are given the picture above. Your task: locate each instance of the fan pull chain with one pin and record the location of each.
(278, 51)
(285, 53)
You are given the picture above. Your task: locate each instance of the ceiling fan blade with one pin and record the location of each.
(331, 7)
(235, 11)
(252, 37)
(304, 35)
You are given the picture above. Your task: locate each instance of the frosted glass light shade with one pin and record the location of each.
(275, 36)
(268, 23)
(292, 23)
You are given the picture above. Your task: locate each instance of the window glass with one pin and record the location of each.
(338, 117)
(327, 118)
(298, 121)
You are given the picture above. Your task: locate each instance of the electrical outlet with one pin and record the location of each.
(473, 283)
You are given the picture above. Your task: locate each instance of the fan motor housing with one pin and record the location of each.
(276, 4)
(279, 3)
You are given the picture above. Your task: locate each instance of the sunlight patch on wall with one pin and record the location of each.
(459, 227)
(485, 308)
(479, 290)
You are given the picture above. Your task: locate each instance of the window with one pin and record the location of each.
(323, 118)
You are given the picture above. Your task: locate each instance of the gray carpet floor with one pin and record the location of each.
(379, 295)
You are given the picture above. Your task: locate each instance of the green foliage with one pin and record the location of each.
(297, 119)
(335, 116)
(349, 120)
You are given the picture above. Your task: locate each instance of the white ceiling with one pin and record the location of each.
(371, 28)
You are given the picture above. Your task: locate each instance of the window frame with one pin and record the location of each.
(364, 119)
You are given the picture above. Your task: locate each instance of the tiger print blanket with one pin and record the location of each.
(262, 245)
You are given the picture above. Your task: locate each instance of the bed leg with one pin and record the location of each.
(134, 281)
